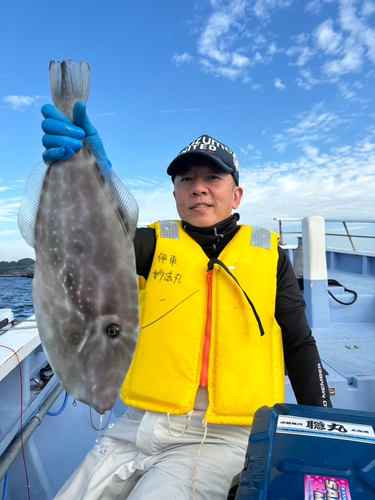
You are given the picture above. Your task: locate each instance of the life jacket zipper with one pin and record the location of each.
(207, 334)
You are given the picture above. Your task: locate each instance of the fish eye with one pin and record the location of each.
(113, 330)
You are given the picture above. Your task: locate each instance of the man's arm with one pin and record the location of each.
(144, 247)
(301, 354)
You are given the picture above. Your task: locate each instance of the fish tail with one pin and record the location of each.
(69, 82)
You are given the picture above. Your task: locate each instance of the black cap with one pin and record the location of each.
(210, 149)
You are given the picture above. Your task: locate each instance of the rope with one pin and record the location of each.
(188, 416)
(336, 283)
(203, 424)
(211, 264)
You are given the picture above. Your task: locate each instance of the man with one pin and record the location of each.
(220, 311)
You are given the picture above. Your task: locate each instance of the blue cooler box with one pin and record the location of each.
(309, 453)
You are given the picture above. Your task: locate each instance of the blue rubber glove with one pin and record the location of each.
(63, 138)
(92, 138)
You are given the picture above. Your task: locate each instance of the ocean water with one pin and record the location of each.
(15, 294)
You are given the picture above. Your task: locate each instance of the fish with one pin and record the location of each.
(81, 221)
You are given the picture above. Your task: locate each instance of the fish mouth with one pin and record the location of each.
(96, 401)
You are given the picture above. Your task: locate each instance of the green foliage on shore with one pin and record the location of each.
(23, 266)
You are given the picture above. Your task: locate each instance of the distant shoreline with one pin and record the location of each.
(27, 275)
(23, 268)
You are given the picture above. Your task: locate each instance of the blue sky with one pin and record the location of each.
(287, 84)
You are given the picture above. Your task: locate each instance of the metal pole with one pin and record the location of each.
(9, 457)
(281, 232)
(350, 238)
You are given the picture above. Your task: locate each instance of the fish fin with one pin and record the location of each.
(69, 82)
(127, 205)
(30, 202)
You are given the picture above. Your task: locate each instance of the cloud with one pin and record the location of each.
(273, 49)
(261, 59)
(351, 62)
(21, 102)
(303, 54)
(315, 6)
(314, 120)
(327, 39)
(239, 60)
(218, 26)
(9, 232)
(279, 85)
(223, 44)
(251, 153)
(336, 184)
(233, 40)
(307, 81)
(216, 41)
(354, 45)
(249, 147)
(368, 8)
(9, 208)
(263, 9)
(180, 59)
(345, 92)
(300, 39)
(310, 126)
(152, 196)
(227, 72)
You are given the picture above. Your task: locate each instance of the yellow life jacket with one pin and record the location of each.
(209, 329)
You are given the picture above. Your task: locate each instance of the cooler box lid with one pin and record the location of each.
(300, 452)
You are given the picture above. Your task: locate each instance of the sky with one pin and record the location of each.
(287, 84)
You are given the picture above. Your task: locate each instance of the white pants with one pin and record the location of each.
(140, 459)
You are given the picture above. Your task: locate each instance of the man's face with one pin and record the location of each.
(205, 196)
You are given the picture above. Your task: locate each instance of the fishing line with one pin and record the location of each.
(104, 426)
(22, 447)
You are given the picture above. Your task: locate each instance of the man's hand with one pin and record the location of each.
(63, 138)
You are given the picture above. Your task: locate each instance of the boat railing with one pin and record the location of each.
(345, 223)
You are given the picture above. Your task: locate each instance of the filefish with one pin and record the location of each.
(81, 221)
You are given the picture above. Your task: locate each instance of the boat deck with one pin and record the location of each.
(347, 345)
